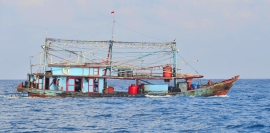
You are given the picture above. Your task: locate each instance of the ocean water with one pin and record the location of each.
(246, 108)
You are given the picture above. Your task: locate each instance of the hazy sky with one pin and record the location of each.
(228, 37)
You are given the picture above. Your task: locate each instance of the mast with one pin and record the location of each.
(174, 63)
(44, 60)
(110, 49)
(111, 44)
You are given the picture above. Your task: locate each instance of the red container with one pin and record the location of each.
(110, 90)
(167, 71)
(133, 89)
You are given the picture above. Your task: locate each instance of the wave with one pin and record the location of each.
(220, 96)
(13, 96)
(158, 95)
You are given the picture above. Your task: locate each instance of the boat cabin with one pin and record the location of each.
(74, 78)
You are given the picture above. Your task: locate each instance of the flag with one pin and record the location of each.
(174, 40)
(112, 12)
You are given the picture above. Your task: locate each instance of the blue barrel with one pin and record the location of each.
(199, 86)
(194, 86)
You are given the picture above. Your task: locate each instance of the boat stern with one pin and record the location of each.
(20, 87)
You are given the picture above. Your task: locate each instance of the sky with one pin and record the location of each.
(228, 37)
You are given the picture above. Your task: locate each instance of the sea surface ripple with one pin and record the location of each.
(246, 108)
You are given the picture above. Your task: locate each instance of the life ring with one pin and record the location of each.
(65, 70)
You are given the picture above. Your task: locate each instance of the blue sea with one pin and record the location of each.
(246, 108)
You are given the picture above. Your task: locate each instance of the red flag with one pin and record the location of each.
(112, 12)
(174, 40)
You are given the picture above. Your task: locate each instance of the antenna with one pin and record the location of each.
(113, 23)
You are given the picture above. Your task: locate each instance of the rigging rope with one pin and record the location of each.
(36, 54)
(90, 31)
(188, 64)
(59, 57)
(97, 33)
(138, 32)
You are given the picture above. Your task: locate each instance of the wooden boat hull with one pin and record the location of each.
(220, 88)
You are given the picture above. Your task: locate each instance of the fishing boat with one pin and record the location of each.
(82, 68)
(92, 65)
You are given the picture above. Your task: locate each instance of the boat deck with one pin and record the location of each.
(134, 77)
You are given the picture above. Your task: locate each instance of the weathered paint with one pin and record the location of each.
(220, 88)
(80, 94)
(182, 86)
(43, 93)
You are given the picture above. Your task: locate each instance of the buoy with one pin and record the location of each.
(65, 71)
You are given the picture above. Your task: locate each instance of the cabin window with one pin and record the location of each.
(71, 84)
(78, 83)
(74, 84)
(93, 85)
(93, 71)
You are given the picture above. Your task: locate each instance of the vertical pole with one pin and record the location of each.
(111, 45)
(44, 62)
(40, 59)
(51, 59)
(45, 59)
(113, 27)
(174, 63)
(31, 64)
